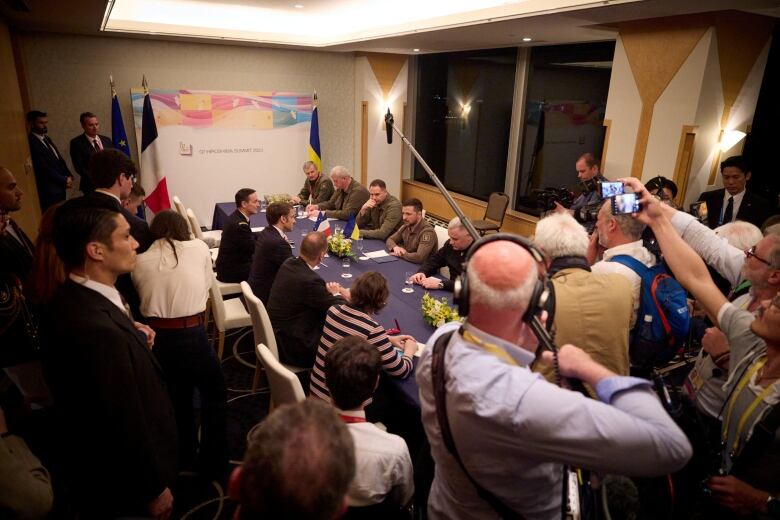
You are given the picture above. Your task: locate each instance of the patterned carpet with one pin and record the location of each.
(196, 499)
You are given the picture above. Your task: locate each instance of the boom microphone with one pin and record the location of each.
(389, 126)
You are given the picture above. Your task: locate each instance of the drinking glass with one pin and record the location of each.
(359, 248)
(345, 264)
(408, 285)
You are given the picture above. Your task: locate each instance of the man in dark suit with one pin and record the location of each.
(113, 175)
(117, 430)
(83, 146)
(16, 254)
(237, 243)
(299, 300)
(272, 249)
(51, 173)
(733, 201)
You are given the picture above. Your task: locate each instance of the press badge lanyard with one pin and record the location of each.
(490, 347)
(750, 409)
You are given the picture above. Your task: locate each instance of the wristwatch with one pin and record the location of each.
(441, 284)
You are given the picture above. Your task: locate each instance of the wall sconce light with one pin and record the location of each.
(730, 138)
(464, 110)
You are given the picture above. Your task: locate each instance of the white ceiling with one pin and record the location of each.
(398, 26)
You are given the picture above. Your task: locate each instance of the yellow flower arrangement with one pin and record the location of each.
(278, 197)
(438, 312)
(339, 245)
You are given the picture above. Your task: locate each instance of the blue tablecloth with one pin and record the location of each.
(400, 306)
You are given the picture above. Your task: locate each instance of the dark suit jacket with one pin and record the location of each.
(235, 249)
(297, 306)
(753, 209)
(139, 228)
(51, 172)
(81, 150)
(16, 257)
(116, 420)
(16, 343)
(270, 253)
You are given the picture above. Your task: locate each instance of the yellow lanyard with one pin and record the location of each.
(750, 409)
(490, 347)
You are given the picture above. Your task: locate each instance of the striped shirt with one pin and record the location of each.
(345, 320)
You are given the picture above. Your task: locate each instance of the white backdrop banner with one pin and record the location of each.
(211, 144)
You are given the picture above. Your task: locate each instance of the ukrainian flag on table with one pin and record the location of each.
(351, 229)
(315, 155)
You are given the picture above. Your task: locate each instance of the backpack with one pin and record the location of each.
(662, 320)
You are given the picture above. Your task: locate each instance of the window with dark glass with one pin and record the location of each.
(566, 96)
(464, 109)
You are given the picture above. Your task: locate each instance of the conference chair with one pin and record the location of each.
(263, 330)
(179, 205)
(442, 237)
(228, 315)
(212, 238)
(494, 213)
(285, 386)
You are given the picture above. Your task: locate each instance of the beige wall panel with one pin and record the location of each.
(708, 112)
(656, 49)
(69, 74)
(623, 109)
(742, 37)
(383, 160)
(676, 107)
(14, 151)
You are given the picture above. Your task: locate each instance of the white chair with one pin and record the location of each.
(228, 315)
(285, 386)
(212, 238)
(177, 203)
(442, 237)
(263, 330)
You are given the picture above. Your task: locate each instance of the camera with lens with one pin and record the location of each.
(547, 197)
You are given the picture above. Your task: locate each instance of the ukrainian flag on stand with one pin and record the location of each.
(315, 155)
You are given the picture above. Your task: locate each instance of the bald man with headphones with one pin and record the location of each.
(499, 433)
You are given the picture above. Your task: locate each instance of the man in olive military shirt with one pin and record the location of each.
(347, 200)
(316, 188)
(416, 239)
(381, 215)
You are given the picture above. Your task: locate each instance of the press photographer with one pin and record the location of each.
(585, 208)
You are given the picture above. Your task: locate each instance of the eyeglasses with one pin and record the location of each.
(752, 253)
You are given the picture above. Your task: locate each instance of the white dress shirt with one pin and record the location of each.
(635, 250)
(109, 291)
(171, 290)
(383, 465)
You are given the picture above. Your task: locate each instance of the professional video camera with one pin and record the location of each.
(547, 197)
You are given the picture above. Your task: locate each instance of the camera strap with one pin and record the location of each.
(440, 395)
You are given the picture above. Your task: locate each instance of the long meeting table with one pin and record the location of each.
(405, 308)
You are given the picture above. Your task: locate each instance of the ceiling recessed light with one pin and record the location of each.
(298, 6)
(416, 50)
(527, 39)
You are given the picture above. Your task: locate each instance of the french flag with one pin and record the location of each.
(152, 179)
(322, 225)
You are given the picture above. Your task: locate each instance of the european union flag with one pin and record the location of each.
(118, 134)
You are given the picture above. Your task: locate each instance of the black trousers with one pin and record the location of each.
(190, 363)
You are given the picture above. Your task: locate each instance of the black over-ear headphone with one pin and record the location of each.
(541, 295)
